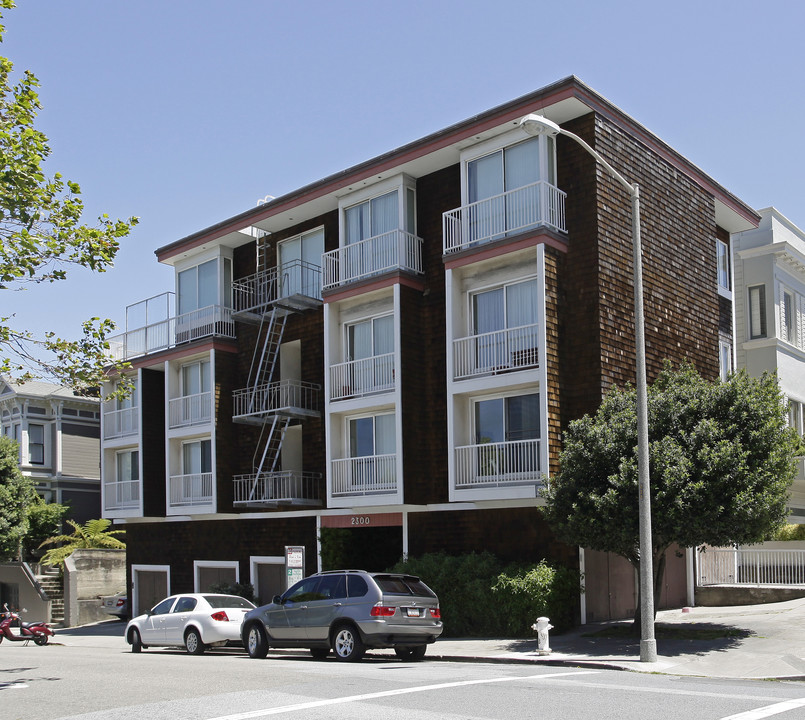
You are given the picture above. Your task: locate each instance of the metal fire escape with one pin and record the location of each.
(266, 299)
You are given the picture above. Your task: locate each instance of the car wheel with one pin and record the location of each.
(319, 653)
(256, 642)
(192, 641)
(347, 644)
(136, 642)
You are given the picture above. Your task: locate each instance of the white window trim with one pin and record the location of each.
(487, 147)
(400, 183)
(198, 564)
(724, 291)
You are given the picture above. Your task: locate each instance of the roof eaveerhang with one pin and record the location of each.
(562, 101)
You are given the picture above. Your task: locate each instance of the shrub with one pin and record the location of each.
(790, 532)
(527, 593)
(478, 600)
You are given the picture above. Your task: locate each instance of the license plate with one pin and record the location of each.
(413, 612)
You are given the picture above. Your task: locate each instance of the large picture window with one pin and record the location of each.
(200, 286)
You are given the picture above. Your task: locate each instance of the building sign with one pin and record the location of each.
(362, 521)
(294, 564)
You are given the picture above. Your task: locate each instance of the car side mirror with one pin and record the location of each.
(277, 600)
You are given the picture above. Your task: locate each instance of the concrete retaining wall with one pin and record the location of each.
(88, 574)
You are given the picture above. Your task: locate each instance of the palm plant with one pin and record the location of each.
(93, 534)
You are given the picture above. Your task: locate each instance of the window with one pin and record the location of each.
(795, 415)
(198, 286)
(196, 378)
(504, 323)
(373, 435)
(788, 316)
(197, 457)
(507, 419)
(757, 312)
(507, 178)
(298, 264)
(724, 359)
(723, 260)
(128, 466)
(36, 444)
(369, 338)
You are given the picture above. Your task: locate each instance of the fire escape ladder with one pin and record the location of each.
(262, 369)
(272, 450)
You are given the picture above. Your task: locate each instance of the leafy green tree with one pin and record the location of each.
(44, 521)
(16, 495)
(41, 237)
(721, 463)
(93, 535)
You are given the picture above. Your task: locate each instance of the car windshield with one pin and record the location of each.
(228, 601)
(403, 585)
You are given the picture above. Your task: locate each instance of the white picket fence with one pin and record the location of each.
(750, 566)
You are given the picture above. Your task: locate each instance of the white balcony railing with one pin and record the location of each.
(121, 495)
(277, 487)
(746, 566)
(190, 410)
(193, 489)
(213, 320)
(258, 291)
(371, 475)
(394, 250)
(514, 462)
(362, 377)
(121, 423)
(507, 214)
(496, 352)
(286, 395)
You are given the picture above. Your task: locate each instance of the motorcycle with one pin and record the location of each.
(39, 632)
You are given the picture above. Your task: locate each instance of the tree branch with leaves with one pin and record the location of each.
(42, 238)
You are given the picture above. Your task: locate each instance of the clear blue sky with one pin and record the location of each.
(185, 112)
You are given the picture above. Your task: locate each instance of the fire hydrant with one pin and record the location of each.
(542, 626)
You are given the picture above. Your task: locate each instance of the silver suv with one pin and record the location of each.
(348, 611)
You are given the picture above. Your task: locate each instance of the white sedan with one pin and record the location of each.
(195, 621)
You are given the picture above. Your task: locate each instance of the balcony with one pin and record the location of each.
(210, 321)
(123, 495)
(496, 352)
(372, 475)
(510, 213)
(190, 410)
(502, 464)
(278, 488)
(394, 250)
(357, 378)
(121, 423)
(289, 398)
(190, 490)
(294, 286)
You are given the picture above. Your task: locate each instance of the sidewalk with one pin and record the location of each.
(749, 641)
(763, 642)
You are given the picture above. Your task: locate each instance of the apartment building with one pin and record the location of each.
(59, 437)
(769, 278)
(394, 351)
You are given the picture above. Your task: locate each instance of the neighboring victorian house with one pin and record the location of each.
(396, 349)
(769, 277)
(59, 437)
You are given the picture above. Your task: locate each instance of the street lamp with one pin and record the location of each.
(539, 125)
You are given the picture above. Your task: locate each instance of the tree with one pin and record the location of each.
(41, 237)
(16, 494)
(44, 520)
(93, 534)
(721, 460)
